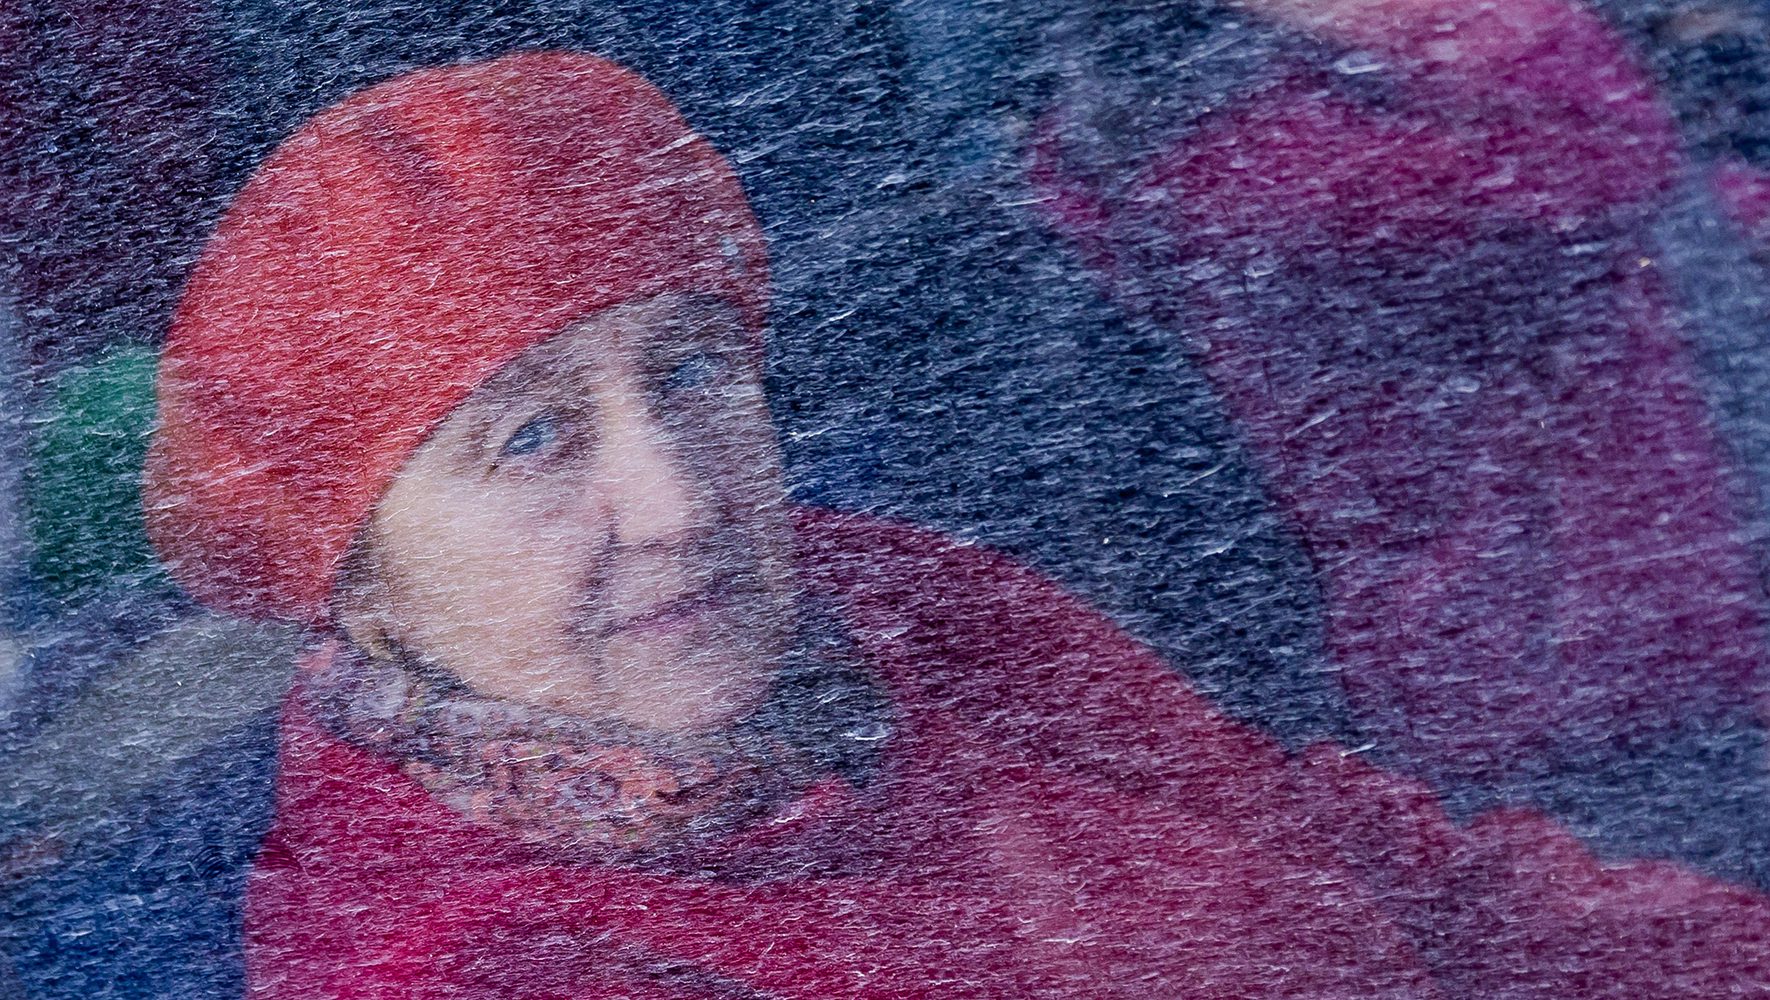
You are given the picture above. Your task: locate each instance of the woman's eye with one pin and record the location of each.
(535, 437)
(695, 372)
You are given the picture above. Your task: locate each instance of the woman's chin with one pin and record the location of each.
(666, 680)
(688, 693)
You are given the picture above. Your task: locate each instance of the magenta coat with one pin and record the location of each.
(1056, 814)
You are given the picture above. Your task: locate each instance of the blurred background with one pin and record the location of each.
(1477, 491)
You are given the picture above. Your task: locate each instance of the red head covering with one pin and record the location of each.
(382, 264)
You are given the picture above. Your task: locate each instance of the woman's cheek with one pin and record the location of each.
(496, 580)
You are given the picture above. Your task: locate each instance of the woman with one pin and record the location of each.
(468, 382)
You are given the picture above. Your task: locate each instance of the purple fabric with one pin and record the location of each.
(1433, 317)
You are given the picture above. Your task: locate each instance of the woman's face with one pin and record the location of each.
(599, 529)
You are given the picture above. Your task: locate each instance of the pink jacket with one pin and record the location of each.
(1057, 815)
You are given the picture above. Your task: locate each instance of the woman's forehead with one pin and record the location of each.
(612, 338)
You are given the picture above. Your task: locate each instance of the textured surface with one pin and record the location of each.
(1257, 498)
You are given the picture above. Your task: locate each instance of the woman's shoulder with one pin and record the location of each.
(931, 576)
(972, 639)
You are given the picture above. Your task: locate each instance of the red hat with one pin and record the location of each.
(386, 261)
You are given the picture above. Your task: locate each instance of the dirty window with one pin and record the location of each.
(884, 498)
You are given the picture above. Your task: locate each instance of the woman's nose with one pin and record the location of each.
(649, 494)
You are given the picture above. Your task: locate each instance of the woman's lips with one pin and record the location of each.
(729, 594)
(670, 616)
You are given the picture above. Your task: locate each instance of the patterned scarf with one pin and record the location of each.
(603, 788)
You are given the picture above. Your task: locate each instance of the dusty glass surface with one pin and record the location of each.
(888, 498)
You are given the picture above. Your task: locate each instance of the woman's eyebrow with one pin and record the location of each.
(703, 331)
(475, 429)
